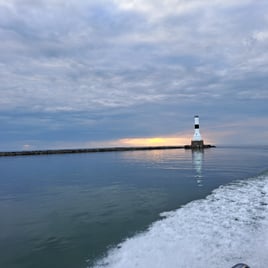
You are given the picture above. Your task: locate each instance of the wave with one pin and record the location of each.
(228, 226)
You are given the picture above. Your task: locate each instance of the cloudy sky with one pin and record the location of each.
(93, 73)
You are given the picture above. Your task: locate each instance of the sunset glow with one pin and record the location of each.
(155, 141)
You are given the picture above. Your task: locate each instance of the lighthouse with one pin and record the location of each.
(197, 142)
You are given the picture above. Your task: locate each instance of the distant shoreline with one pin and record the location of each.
(97, 150)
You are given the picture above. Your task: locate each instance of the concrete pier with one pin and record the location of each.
(88, 150)
(197, 146)
(95, 150)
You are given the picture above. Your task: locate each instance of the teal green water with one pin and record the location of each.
(69, 210)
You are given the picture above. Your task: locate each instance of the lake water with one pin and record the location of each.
(162, 208)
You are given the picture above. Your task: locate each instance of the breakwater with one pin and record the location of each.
(95, 150)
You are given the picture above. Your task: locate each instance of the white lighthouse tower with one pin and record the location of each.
(197, 141)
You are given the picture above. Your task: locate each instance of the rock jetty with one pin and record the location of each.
(96, 150)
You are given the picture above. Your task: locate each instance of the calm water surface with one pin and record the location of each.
(71, 210)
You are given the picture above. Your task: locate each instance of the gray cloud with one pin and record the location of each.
(133, 60)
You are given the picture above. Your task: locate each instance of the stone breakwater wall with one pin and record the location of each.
(96, 150)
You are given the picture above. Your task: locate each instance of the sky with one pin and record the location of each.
(98, 73)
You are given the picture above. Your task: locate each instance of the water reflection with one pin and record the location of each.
(169, 158)
(197, 160)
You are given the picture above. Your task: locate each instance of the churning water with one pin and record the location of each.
(227, 227)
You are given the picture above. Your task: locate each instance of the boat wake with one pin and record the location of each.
(227, 227)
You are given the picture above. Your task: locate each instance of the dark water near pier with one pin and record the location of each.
(74, 210)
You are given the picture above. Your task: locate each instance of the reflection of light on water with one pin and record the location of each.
(151, 156)
(197, 159)
(170, 157)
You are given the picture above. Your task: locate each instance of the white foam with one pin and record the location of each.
(227, 227)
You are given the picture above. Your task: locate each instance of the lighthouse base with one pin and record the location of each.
(197, 144)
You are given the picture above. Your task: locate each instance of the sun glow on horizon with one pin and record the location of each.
(154, 141)
(179, 139)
